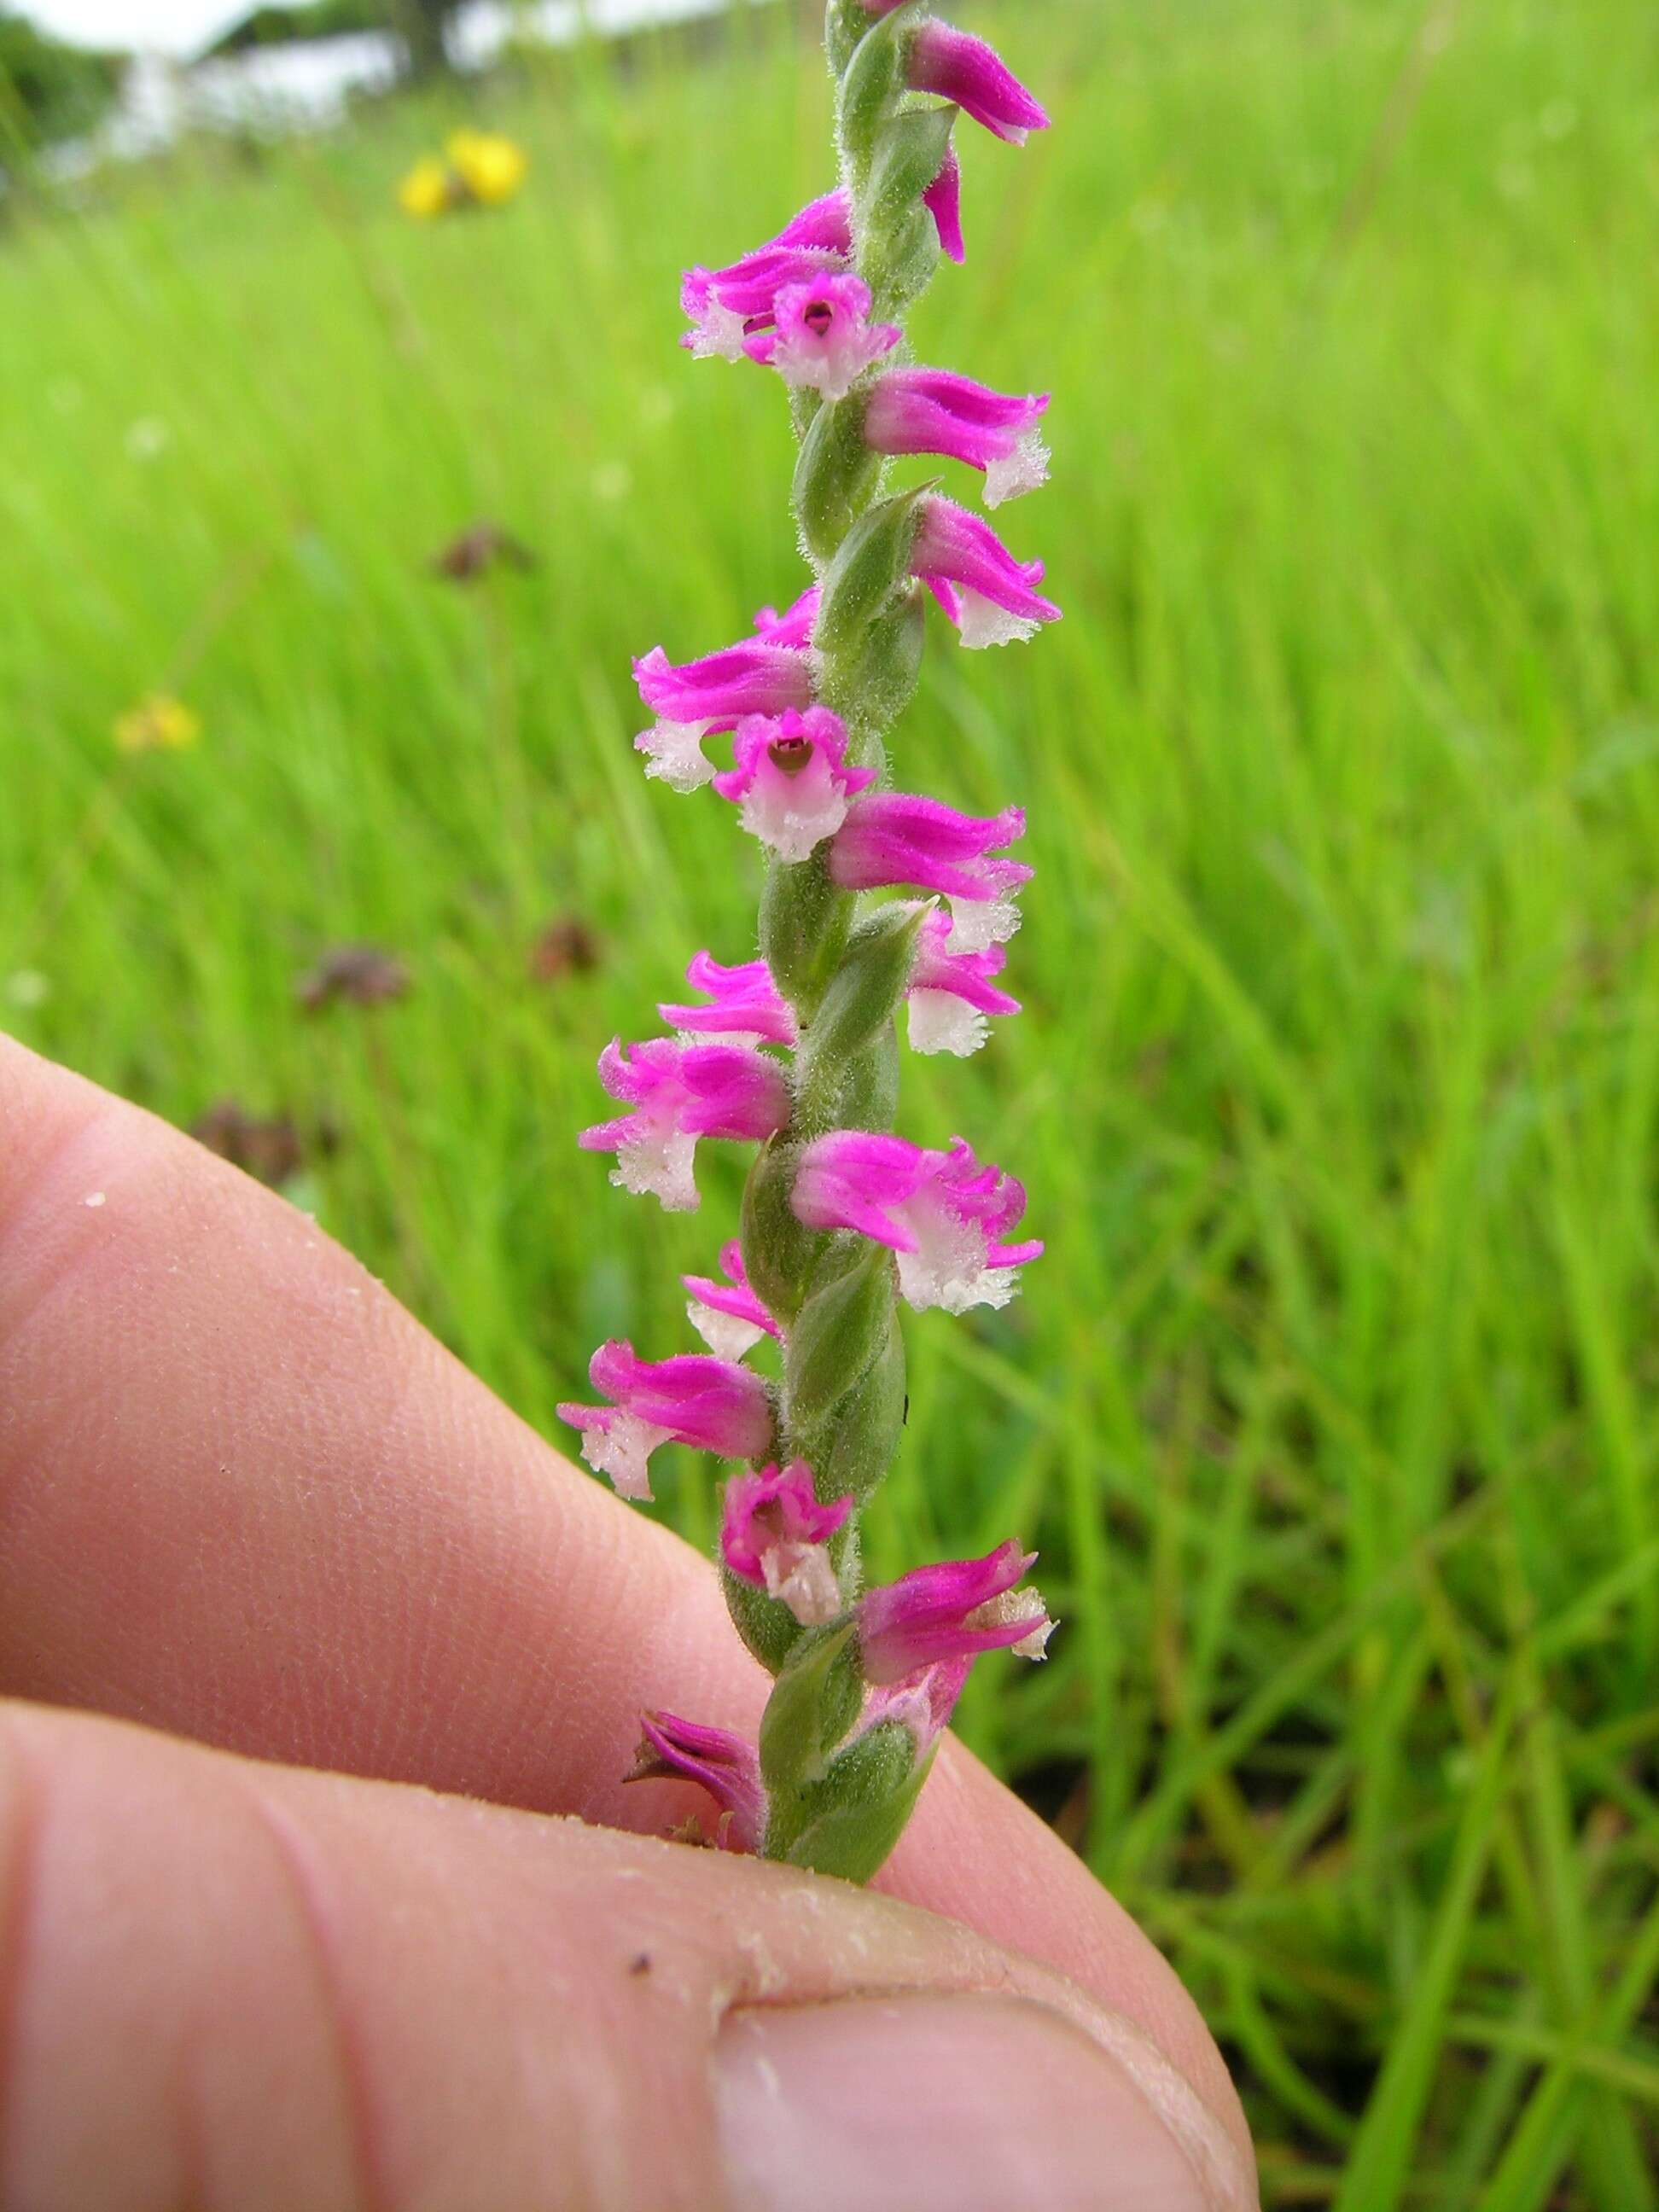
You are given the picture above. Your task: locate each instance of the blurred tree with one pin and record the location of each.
(50, 90)
(423, 23)
(420, 22)
(276, 26)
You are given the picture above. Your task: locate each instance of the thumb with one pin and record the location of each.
(228, 1983)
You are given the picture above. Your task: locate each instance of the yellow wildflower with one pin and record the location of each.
(492, 168)
(158, 724)
(426, 191)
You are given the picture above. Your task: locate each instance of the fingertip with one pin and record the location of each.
(974, 1851)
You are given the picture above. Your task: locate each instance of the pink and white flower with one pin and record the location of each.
(951, 993)
(728, 1316)
(712, 1404)
(823, 337)
(679, 1093)
(946, 1217)
(673, 1750)
(775, 1535)
(765, 675)
(724, 305)
(744, 1003)
(991, 598)
(940, 1616)
(923, 1703)
(957, 66)
(898, 838)
(933, 410)
(790, 780)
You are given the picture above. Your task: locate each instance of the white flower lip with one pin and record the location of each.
(675, 754)
(793, 832)
(985, 623)
(662, 1163)
(941, 1022)
(1023, 470)
(728, 1336)
(801, 1577)
(978, 924)
(621, 1448)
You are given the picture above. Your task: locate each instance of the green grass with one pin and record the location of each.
(1331, 1407)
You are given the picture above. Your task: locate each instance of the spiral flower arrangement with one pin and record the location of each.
(797, 1052)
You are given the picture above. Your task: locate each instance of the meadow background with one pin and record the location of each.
(1332, 1407)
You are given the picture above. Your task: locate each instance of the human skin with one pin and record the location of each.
(275, 1570)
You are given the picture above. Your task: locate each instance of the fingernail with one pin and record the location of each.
(937, 2103)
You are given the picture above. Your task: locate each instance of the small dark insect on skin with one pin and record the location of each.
(640, 1963)
(481, 547)
(363, 975)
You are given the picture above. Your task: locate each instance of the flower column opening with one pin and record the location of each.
(798, 1051)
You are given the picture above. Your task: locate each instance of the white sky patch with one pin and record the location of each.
(168, 26)
(185, 26)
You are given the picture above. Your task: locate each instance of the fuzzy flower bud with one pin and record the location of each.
(943, 201)
(673, 1750)
(791, 779)
(951, 992)
(728, 1316)
(991, 598)
(744, 1003)
(767, 675)
(942, 1616)
(896, 837)
(712, 1404)
(773, 1534)
(933, 410)
(725, 305)
(958, 67)
(946, 1217)
(823, 338)
(679, 1093)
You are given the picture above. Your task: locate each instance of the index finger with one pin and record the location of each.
(245, 1497)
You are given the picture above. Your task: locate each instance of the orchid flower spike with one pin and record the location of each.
(725, 305)
(712, 1405)
(991, 598)
(942, 1616)
(946, 1217)
(775, 1535)
(823, 339)
(728, 1316)
(743, 1002)
(673, 1750)
(795, 1051)
(932, 410)
(895, 837)
(791, 779)
(767, 675)
(951, 993)
(679, 1093)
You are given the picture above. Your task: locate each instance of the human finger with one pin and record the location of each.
(232, 1983)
